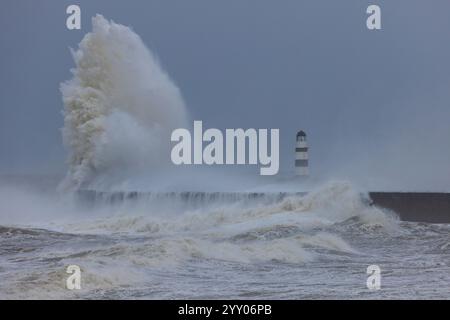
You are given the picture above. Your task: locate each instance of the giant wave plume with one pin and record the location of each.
(119, 107)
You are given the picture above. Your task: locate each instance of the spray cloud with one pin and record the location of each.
(119, 107)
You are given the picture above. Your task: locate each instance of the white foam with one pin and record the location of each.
(119, 107)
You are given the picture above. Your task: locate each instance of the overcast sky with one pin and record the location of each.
(373, 103)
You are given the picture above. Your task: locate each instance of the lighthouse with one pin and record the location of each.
(301, 155)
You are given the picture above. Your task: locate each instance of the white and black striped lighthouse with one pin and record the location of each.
(301, 155)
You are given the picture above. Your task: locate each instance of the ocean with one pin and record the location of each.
(200, 245)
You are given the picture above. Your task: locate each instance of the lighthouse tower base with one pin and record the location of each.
(302, 171)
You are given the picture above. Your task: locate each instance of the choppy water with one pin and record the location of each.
(275, 247)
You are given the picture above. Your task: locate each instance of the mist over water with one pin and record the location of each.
(119, 108)
(218, 245)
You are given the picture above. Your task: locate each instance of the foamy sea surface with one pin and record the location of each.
(169, 246)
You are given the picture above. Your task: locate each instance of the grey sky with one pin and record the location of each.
(374, 103)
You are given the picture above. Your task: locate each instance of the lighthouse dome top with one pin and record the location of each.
(301, 133)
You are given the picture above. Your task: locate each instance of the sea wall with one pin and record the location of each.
(415, 206)
(410, 206)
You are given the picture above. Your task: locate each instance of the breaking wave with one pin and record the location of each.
(129, 239)
(119, 107)
(332, 203)
(236, 227)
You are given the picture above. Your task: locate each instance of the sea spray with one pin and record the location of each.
(119, 107)
(244, 229)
